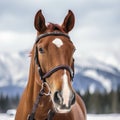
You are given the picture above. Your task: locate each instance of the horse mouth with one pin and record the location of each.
(62, 109)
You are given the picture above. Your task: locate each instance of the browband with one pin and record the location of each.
(55, 33)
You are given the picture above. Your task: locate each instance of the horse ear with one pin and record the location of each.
(69, 21)
(39, 22)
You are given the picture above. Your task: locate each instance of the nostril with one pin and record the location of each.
(58, 97)
(73, 99)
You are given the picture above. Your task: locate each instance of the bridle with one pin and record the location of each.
(48, 74)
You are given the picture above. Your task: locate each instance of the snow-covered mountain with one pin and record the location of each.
(13, 72)
(94, 74)
(97, 74)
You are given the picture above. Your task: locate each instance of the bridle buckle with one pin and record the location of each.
(42, 90)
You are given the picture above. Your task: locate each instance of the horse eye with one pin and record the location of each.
(41, 50)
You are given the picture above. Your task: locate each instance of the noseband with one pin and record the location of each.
(48, 74)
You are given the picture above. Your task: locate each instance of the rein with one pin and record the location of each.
(46, 75)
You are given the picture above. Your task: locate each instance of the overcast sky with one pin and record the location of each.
(97, 24)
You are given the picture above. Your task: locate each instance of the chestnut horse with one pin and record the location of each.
(49, 86)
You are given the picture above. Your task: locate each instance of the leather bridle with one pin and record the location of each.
(48, 74)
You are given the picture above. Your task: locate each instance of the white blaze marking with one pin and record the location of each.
(58, 42)
(66, 89)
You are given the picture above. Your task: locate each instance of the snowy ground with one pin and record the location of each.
(89, 117)
(6, 117)
(103, 117)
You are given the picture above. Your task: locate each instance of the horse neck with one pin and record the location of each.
(34, 82)
(33, 88)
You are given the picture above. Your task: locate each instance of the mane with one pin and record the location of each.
(52, 27)
(31, 53)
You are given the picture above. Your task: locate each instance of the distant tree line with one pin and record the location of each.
(7, 102)
(95, 103)
(102, 103)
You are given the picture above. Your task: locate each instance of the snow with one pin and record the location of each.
(103, 117)
(14, 68)
(89, 117)
(6, 117)
(104, 81)
(92, 88)
(96, 74)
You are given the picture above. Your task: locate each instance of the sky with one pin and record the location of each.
(97, 23)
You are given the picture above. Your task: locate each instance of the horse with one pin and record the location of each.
(49, 94)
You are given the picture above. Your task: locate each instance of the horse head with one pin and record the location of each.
(54, 55)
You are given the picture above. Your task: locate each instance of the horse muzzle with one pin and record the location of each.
(63, 104)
